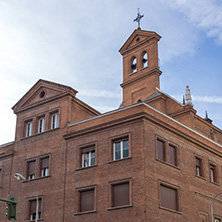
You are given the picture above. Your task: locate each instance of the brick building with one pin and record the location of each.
(152, 159)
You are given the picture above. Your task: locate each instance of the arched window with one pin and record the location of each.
(133, 64)
(144, 59)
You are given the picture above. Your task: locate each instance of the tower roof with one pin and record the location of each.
(138, 37)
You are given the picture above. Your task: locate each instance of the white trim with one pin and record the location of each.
(197, 171)
(156, 110)
(28, 128)
(55, 121)
(183, 125)
(83, 160)
(45, 171)
(90, 158)
(7, 144)
(121, 149)
(41, 125)
(102, 115)
(170, 97)
(114, 150)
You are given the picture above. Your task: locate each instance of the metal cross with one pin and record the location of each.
(138, 18)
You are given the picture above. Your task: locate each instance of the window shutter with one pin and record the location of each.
(32, 206)
(45, 162)
(121, 139)
(120, 194)
(160, 150)
(88, 149)
(172, 152)
(0, 176)
(31, 167)
(40, 205)
(86, 200)
(198, 162)
(168, 197)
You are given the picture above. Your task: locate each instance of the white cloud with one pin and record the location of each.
(204, 99)
(207, 99)
(100, 93)
(205, 14)
(103, 109)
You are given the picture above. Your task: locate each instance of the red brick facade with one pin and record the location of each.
(153, 159)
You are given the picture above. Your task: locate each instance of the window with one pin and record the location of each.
(31, 170)
(120, 194)
(121, 149)
(38, 167)
(32, 209)
(203, 217)
(217, 220)
(44, 167)
(161, 150)
(55, 121)
(86, 199)
(88, 156)
(212, 173)
(169, 197)
(41, 125)
(28, 129)
(199, 171)
(172, 155)
(167, 152)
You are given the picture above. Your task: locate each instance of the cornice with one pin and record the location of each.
(106, 125)
(42, 102)
(146, 116)
(142, 76)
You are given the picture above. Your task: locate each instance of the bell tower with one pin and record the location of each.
(140, 66)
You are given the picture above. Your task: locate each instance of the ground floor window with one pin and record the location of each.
(32, 209)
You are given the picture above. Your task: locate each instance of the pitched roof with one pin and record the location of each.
(41, 91)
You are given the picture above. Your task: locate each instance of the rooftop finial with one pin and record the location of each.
(206, 115)
(138, 18)
(183, 100)
(208, 119)
(188, 98)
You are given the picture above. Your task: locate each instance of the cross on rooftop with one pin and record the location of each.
(138, 18)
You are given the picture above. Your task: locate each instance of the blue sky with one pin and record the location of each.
(76, 43)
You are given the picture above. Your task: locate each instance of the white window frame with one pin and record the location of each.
(45, 172)
(134, 62)
(41, 125)
(90, 158)
(121, 149)
(145, 56)
(34, 218)
(197, 171)
(212, 173)
(55, 121)
(29, 128)
(31, 176)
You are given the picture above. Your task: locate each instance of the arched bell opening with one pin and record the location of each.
(133, 64)
(144, 59)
